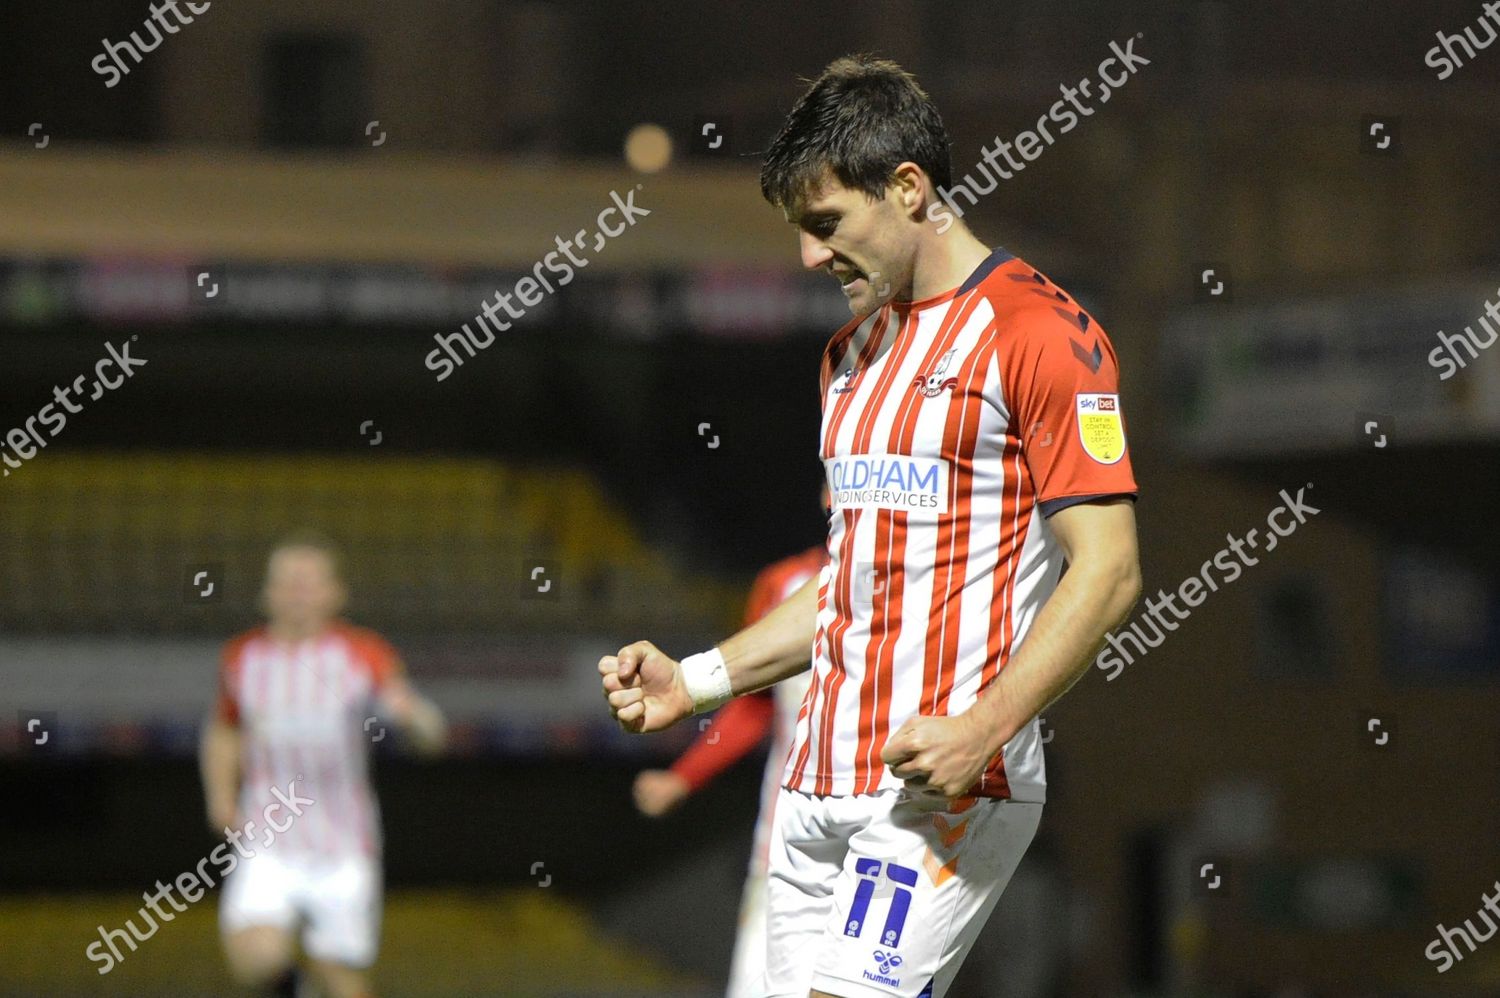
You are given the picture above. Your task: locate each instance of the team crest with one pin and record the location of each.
(1100, 427)
(935, 384)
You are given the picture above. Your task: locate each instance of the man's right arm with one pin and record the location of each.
(648, 691)
(219, 765)
(775, 647)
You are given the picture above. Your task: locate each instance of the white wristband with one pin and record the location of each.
(707, 680)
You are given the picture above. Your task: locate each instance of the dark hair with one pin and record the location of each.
(861, 118)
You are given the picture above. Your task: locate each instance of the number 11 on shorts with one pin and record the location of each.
(895, 920)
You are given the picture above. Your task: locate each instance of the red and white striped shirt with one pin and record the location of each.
(301, 709)
(947, 424)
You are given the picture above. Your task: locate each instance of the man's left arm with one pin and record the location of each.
(1094, 596)
(1102, 583)
(418, 717)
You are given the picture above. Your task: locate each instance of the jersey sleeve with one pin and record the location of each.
(379, 657)
(227, 702)
(736, 729)
(1063, 386)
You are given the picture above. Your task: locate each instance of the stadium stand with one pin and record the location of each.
(99, 543)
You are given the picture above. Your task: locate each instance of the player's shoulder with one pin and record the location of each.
(368, 644)
(794, 563)
(777, 578)
(234, 649)
(1026, 303)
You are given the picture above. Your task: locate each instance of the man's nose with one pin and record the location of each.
(815, 252)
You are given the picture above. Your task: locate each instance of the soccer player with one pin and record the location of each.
(300, 702)
(974, 443)
(736, 729)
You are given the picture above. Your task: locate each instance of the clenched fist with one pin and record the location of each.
(644, 688)
(943, 754)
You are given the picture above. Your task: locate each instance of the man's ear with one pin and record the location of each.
(913, 189)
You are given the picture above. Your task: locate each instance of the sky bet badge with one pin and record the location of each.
(1100, 427)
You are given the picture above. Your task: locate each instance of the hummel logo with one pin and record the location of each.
(1088, 360)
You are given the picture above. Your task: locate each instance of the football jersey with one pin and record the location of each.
(948, 425)
(302, 709)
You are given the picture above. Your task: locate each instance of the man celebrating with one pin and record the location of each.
(974, 443)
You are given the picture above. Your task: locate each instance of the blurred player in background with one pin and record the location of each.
(735, 730)
(974, 443)
(300, 702)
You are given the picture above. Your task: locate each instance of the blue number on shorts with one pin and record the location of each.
(895, 920)
(867, 870)
(900, 903)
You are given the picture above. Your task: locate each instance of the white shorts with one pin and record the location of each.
(336, 899)
(882, 895)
